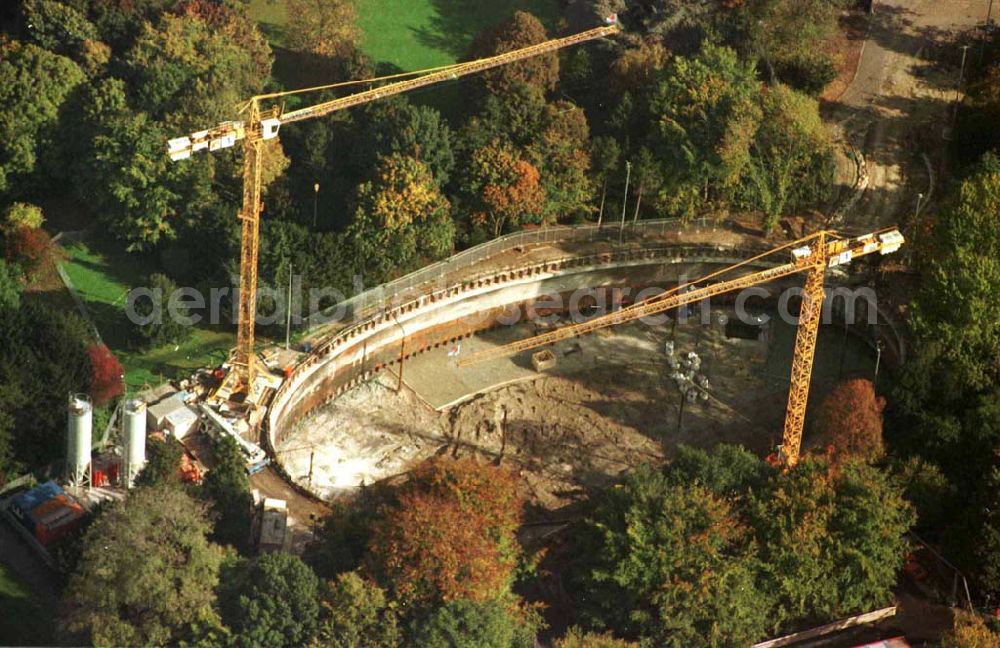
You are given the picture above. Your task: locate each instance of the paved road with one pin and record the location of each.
(900, 99)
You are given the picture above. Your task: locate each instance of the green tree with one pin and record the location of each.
(48, 361)
(956, 314)
(669, 564)
(163, 463)
(8, 466)
(397, 127)
(561, 154)
(705, 116)
(272, 601)
(605, 154)
(791, 161)
(728, 471)
(156, 325)
(190, 71)
(356, 614)
(57, 27)
(577, 638)
(400, 217)
(34, 83)
(468, 624)
(118, 167)
(227, 491)
(830, 541)
(10, 286)
(147, 575)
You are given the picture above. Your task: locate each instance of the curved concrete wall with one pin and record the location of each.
(357, 352)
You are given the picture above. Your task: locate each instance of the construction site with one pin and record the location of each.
(569, 354)
(608, 402)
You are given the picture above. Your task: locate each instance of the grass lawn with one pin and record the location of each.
(416, 34)
(24, 621)
(103, 280)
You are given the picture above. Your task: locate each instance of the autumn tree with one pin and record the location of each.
(970, 631)
(451, 536)
(850, 419)
(505, 188)
(190, 69)
(272, 600)
(108, 378)
(21, 216)
(28, 248)
(519, 31)
(323, 27)
(782, 31)
(147, 574)
(400, 217)
(637, 67)
(669, 564)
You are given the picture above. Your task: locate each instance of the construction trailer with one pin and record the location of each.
(271, 525)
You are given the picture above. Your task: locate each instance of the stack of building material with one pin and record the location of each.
(47, 512)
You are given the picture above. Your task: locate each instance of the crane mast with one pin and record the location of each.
(811, 255)
(261, 125)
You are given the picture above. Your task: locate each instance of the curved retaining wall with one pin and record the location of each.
(355, 353)
(358, 352)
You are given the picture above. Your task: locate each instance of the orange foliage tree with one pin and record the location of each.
(508, 187)
(451, 536)
(106, 381)
(850, 420)
(28, 247)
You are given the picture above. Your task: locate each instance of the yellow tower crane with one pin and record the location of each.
(811, 255)
(260, 124)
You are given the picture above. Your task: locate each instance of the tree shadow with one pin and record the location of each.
(457, 22)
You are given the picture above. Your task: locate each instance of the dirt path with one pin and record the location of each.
(899, 101)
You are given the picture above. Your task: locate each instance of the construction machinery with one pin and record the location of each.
(260, 124)
(811, 255)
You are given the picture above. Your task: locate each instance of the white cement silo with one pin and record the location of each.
(133, 439)
(79, 438)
